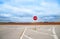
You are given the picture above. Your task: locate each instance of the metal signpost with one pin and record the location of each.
(35, 18)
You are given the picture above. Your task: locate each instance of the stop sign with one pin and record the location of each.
(35, 18)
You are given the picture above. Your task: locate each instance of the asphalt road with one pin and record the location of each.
(30, 32)
(10, 33)
(57, 30)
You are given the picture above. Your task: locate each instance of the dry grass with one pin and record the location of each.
(33, 23)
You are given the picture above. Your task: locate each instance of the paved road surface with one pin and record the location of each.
(29, 32)
(10, 33)
(57, 29)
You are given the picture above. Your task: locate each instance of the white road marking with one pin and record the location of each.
(41, 33)
(23, 33)
(50, 29)
(28, 37)
(54, 33)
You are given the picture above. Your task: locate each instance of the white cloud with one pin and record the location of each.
(6, 15)
(44, 8)
(16, 10)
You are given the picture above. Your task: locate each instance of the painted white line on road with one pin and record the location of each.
(50, 29)
(23, 33)
(54, 33)
(41, 33)
(28, 37)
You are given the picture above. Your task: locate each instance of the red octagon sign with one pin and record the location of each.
(35, 18)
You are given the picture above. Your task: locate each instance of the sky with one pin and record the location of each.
(24, 10)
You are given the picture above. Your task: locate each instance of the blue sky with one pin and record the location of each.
(24, 10)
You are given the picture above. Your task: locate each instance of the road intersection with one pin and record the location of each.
(29, 32)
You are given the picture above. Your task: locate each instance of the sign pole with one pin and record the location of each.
(35, 18)
(35, 25)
